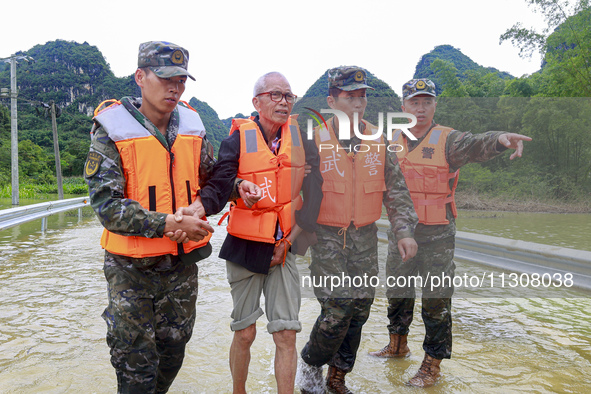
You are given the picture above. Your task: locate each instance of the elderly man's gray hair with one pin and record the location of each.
(260, 84)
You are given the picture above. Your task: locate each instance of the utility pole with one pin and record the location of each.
(13, 125)
(56, 150)
(13, 132)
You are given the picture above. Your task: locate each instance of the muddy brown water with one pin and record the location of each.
(52, 293)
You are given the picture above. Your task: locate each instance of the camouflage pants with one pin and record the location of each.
(336, 335)
(150, 319)
(432, 259)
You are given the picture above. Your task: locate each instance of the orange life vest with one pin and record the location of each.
(353, 183)
(279, 176)
(427, 175)
(152, 178)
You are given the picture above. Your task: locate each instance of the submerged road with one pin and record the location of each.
(52, 293)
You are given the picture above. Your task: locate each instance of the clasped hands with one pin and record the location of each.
(189, 223)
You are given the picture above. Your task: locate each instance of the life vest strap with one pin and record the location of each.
(448, 176)
(276, 208)
(277, 160)
(412, 174)
(226, 214)
(439, 201)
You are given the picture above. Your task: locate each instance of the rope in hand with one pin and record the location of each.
(284, 240)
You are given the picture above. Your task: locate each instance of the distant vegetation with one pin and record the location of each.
(216, 130)
(553, 106)
(465, 68)
(77, 77)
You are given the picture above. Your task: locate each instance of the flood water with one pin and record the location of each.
(567, 230)
(52, 293)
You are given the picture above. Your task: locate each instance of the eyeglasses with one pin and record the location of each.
(278, 96)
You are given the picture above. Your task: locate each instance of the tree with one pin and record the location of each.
(565, 45)
(560, 148)
(447, 74)
(568, 56)
(482, 83)
(35, 163)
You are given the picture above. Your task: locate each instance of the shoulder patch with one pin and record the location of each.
(93, 163)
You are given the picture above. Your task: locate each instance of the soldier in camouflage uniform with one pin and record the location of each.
(151, 309)
(350, 250)
(436, 241)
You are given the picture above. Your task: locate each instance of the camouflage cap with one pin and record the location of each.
(348, 78)
(165, 59)
(414, 87)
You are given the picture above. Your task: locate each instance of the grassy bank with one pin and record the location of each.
(483, 202)
(73, 185)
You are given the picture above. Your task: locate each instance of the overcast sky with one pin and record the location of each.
(232, 43)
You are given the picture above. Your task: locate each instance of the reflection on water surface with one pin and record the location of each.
(52, 294)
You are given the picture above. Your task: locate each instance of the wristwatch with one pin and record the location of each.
(238, 182)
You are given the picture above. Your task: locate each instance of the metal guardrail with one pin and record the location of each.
(517, 256)
(501, 253)
(14, 216)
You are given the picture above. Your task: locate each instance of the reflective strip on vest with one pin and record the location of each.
(295, 140)
(250, 137)
(434, 137)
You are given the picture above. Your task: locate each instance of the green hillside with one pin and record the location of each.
(73, 75)
(216, 130)
(77, 78)
(464, 65)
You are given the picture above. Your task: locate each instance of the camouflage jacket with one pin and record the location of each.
(460, 148)
(106, 186)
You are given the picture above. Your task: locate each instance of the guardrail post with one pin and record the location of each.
(43, 224)
(79, 215)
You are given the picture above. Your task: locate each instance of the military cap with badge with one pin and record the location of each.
(164, 59)
(348, 78)
(415, 87)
